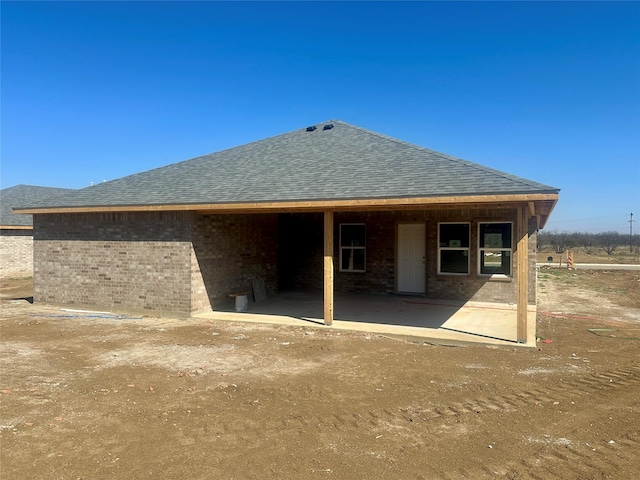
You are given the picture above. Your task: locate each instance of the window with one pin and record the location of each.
(352, 247)
(494, 241)
(453, 248)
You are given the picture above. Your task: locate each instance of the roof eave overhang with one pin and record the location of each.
(16, 227)
(540, 205)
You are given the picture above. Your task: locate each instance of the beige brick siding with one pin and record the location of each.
(159, 262)
(121, 261)
(16, 253)
(199, 296)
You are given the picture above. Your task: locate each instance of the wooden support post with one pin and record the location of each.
(522, 266)
(328, 267)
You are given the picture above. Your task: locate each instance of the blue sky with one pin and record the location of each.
(549, 91)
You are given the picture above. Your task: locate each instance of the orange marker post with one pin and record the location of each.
(570, 260)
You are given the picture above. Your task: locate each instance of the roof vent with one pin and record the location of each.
(328, 126)
(311, 128)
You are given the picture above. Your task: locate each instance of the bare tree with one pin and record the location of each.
(609, 241)
(560, 242)
(587, 241)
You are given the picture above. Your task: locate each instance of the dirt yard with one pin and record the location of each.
(99, 397)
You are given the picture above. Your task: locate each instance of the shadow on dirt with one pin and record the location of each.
(28, 299)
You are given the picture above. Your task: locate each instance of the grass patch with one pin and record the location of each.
(553, 272)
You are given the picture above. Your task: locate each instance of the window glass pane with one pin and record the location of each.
(352, 236)
(495, 235)
(495, 262)
(358, 259)
(347, 258)
(352, 259)
(454, 235)
(454, 261)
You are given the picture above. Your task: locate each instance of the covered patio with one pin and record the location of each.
(413, 318)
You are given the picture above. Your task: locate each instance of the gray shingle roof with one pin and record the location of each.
(341, 163)
(21, 195)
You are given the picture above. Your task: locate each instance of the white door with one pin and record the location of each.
(411, 258)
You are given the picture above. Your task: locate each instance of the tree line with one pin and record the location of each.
(590, 243)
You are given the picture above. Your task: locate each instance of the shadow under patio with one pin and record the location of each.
(428, 320)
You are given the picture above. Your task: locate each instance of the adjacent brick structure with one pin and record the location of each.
(16, 253)
(16, 230)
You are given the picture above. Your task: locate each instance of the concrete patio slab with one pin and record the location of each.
(431, 321)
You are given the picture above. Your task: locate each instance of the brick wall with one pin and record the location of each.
(182, 262)
(380, 254)
(124, 261)
(173, 262)
(16, 253)
(200, 301)
(230, 252)
(472, 286)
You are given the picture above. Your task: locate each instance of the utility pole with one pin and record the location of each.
(631, 220)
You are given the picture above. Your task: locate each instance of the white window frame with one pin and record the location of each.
(464, 249)
(482, 250)
(353, 248)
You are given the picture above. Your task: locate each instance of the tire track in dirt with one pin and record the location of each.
(587, 385)
(547, 461)
(550, 461)
(561, 462)
(599, 383)
(554, 461)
